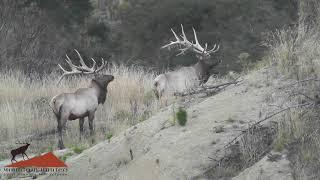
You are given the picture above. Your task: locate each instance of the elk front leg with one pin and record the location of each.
(60, 128)
(90, 118)
(81, 121)
(26, 155)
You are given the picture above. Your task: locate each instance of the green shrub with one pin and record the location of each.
(182, 116)
(64, 157)
(109, 136)
(79, 149)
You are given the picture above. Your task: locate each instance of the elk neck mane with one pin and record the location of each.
(201, 69)
(102, 91)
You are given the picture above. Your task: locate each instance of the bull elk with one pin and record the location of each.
(189, 76)
(84, 101)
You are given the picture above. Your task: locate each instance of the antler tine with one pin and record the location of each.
(62, 68)
(183, 34)
(103, 65)
(83, 65)
(175, 35)
(197, 45)
(172, 42)
(182, 51)
(94, 63)
(214, 49)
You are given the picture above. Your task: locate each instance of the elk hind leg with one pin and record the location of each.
(81, 122)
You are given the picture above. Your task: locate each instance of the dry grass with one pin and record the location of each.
(25, 111)
(295, 52)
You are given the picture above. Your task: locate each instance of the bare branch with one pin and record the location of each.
(207, 89)
(266, 118)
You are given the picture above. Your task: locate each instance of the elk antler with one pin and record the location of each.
(18, 142)
(82, 69)
(189, 45)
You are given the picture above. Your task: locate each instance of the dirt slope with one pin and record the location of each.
(163, 151)
(268, 169)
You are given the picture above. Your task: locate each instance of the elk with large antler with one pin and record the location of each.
(190, 76)
(84, 101)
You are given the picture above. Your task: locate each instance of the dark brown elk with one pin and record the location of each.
(21, 150)
(83, 102)
(187, 77)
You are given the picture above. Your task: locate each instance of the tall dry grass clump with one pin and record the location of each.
(26, 115)
(295, 52)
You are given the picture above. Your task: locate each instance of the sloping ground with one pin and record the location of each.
(161, 150)
(275, 166)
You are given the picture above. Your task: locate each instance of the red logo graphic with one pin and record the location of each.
(46, 160)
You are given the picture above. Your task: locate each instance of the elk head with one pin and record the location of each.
(82, 68)
(202, 53)
(103, 80)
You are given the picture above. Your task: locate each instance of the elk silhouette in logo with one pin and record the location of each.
(21, 150)
(186, 77)
(84, 101)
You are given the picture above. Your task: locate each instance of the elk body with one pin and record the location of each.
(83, 102)
(188, 77)
(21, 150)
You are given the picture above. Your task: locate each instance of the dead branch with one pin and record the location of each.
(221, 159)
(264, 119)
(300, 93)
(207, 89)
(299, 82)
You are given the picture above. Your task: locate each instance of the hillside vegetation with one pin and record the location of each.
(36, 34)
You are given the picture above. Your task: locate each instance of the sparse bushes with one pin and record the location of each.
(181, 116)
